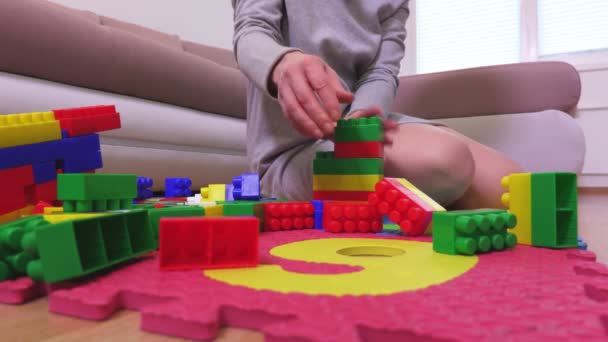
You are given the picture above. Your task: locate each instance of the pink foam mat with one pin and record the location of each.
(528, 294)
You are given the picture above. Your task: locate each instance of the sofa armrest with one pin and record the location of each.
(503, 89)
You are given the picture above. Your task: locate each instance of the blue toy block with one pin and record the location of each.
(177, 187)
(247, 187)
(229, 190)
(73, 155)
(44, 172)
(581, 244)
(318, 204)
(143, 183)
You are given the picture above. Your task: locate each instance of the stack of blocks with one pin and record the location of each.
(546, 208)
(35, 147)
(351, 172)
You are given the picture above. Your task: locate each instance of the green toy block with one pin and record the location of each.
(155, 215)
(83, 192)
(72, 249)
(554, 210)
(245, 208)
(362, 129)
(326, 164)
(472, 232)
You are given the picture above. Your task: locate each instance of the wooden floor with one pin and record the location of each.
(33, 322)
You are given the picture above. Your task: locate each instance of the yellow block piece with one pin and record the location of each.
(345, 182)
(214, 192)
(53, 210)
(420, 194)
(518, 200)
(387, 267)
(28, 128)
(57, 218)
(17, 214)
(214, 210)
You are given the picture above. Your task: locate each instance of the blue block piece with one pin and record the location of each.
(178, 187)
(144, 182)
(581, 244)
(229, 195)
(73, 155)
(247, 187)
(318, 205)
(44, 172)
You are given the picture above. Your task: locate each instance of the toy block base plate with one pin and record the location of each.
(503, 292)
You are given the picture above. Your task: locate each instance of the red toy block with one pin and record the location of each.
(341, 195)
(288, 216)
(351, 217)
(360, 149)
(13, 183)
(45, 192)
(39, 207)
(390, 198)
(87, 120)
(188, 243)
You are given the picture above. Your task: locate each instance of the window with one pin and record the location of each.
(462, 34)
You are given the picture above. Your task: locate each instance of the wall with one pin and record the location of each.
(204, 21)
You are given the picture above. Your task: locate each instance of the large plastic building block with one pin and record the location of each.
(208, 243)
(96, 192)
(359, 149)
(581, 244)
(87, 120)
(229, 192)
(247, 187)
(75, 248)
(472, 232)
(245, 208)
(288, 216)
(404, 204)
(518, 200)
(351, 217)
(28, 128)
(45, 171)
(78, 154)
(13, 186)
(45, 192)
(154, 216)
(362, 129)
(318, 205)
(143, 188)
(214, 192)
(177, 187)
(341, 195)
(554, 210)
(325, 163)
(345, 182)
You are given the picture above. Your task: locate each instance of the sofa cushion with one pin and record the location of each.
(45, 40)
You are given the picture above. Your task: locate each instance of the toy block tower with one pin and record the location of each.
(546, 208)
(351, 172)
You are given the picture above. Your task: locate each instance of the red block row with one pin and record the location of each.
(288, 216)
(208, 242)
(87, 120)
(341, 195)
(351, 217)
(359, 149)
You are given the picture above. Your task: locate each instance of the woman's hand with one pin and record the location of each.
(389, 125)
(310, 93)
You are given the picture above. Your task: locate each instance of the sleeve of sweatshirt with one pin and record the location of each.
(258, 43)
(379, 83)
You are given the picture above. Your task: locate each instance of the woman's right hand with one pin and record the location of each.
(310, 93)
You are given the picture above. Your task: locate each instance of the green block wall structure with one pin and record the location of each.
(76, 248)
(362, 129)
(83, 192)
(554, 210)
(470, 232)
(326, 164)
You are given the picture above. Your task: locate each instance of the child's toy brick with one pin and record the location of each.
(341, 195)
(246, 187)
(214, 192)
(143, 188)
(325, 163)
(351, 217)
(345, 182)
(229, 192)
(208, 243)
(87, 120)
(472, 232)
(581, 244)
(28, 128)
(518, 200)
(404, 204)
(288, 216)
(359, 149)
(318, 205)
(96, 192)
(46, 192)
(155, 215)
(13, 184)
(362, 129)
(177, 187)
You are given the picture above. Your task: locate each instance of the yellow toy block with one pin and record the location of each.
(420, 194)
(28, 128)
(53, 210)
(17, 214)
(215, 210)
(345, 182)
(56, 218)
(518, 200)
(214, 192)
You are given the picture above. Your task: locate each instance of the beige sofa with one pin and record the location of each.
(183, 104)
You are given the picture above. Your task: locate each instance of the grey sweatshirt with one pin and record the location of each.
(362, 40)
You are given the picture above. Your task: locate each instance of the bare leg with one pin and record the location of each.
(451, 168)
